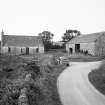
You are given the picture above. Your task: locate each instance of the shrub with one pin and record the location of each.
(7, 69)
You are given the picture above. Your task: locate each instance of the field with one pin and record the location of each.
(42, 89)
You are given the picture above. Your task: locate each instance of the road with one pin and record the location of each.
(74, 87)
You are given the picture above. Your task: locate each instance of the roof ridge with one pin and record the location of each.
(19, 40)
(22, 35)
(94, 33)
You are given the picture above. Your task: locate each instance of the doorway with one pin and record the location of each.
(27, 51)
(37, 50)
(77, 48)
(9, 50)
(70, 50)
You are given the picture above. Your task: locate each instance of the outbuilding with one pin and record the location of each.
(93, 44)
(21, 44)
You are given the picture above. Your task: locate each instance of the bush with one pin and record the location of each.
(41, 89)
(34, 69)
(7, 69)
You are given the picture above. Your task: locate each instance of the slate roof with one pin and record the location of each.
(86, 38)
(21, 40)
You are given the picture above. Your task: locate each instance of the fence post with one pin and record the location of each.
(23, 100)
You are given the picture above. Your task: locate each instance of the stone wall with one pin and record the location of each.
(100, 46)
(90, 47)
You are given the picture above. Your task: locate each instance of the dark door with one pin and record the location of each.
(77, 47)
(70, 50)
(27, 51)
(37, 50)
(9, 50)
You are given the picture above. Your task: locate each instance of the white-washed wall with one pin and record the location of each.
(21, 50)
(32, 50)
(4, 50)
(70, 46)
(67, 47)
(41, 49)
(13, 50)
(18, 50)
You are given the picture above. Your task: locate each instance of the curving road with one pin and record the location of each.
(74, 87)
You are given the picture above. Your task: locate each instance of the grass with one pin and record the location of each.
(85, 58)
(97, 78)
(42, 89)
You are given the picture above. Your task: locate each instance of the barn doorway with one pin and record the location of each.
(27, 51)
(77, 48)
(70, 50)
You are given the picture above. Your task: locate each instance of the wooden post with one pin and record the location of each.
(23, 100)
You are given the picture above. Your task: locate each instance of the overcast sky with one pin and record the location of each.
(30, 17)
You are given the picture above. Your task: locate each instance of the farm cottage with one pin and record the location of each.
(20, 44)
(93, 44)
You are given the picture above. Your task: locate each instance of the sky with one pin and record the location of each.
(30, 17)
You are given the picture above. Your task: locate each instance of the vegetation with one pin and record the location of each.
(84, 58)
(46, 38)
(97, 78)
(69, 34)
(41, 88)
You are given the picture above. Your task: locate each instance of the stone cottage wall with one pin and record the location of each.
(21, 50)
(100, 46)
(14, 50)
(90, 47)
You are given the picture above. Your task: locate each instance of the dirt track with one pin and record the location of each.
(74, 87)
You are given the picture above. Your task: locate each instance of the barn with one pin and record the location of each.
(93, 44)
(21, 44)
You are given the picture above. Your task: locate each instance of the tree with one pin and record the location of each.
(46, 38)
(69, 34)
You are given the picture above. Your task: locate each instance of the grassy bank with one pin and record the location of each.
(84, 58)
(97, 78)
(42, 89)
